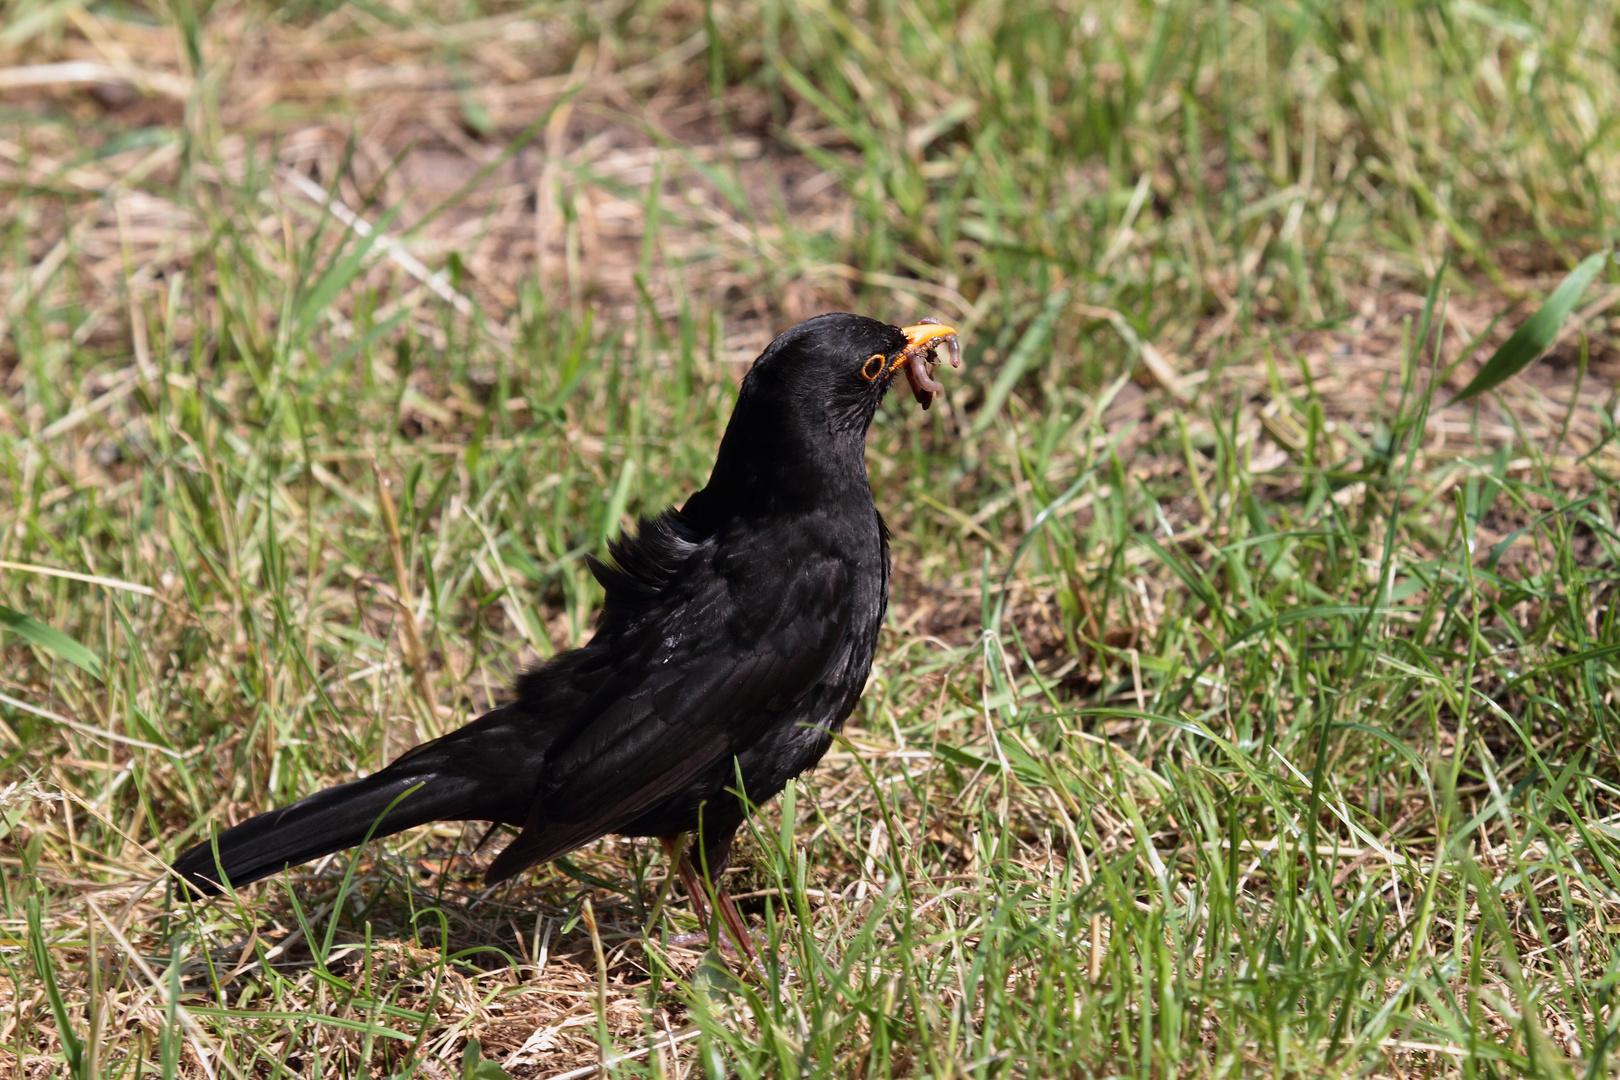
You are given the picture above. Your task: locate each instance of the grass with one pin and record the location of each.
(1244, 709)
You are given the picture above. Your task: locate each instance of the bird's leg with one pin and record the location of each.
(739, 930)
(673, 848)
(729, 915)
(680, 864)
(694, 889)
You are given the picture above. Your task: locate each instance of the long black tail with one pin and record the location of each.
(328, 821)
(486, 771)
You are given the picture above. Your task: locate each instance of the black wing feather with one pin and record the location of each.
(709, 679)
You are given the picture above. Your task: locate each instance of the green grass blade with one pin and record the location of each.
(342, 271)
(50, 639)
(40, 953)
(1020, 358)
(1537, 334)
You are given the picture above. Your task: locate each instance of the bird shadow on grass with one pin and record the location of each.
(388, 914)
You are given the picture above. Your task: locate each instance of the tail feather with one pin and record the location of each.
(326, 822)
(482, 772)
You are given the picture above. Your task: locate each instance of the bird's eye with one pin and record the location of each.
(873, 366)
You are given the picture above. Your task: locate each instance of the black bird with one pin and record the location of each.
(735, 638)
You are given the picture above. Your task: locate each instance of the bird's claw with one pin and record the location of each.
(700, 943)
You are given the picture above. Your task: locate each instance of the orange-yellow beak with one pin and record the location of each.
(918, 357)
(926, 334)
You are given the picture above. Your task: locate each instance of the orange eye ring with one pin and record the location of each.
(868, 371)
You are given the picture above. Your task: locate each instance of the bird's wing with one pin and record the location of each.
(690, 688)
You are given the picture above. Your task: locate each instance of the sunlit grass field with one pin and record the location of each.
(1246, 707)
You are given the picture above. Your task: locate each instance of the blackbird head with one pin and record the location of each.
(840, 366)
(799, 429)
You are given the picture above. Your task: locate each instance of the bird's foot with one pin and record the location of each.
(688, 941)
(699, 942)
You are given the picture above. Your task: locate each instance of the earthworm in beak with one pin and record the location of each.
(919, 357)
